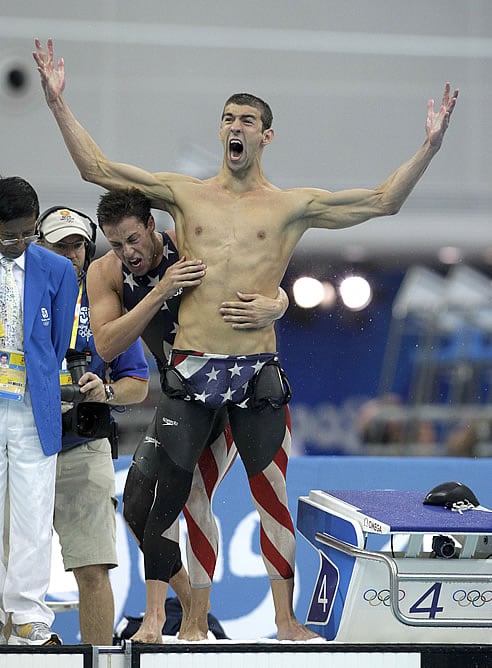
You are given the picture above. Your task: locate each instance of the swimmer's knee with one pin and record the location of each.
(160, 557)
(178, 564)
(138, 497)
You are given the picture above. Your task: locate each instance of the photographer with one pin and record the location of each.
(85, 504)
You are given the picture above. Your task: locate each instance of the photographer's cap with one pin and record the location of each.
(62, 223)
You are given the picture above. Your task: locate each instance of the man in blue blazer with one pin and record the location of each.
(36, 319)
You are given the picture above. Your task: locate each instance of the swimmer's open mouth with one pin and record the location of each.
(236, 148)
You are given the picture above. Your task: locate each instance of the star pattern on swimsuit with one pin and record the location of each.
(257, 366)
(160, 332)
(166, 251)
(235, 370)
(212, 375)
(209, 383)
(227, 396)
(202, 397)
(152, 281)
(149, 282)
(130, 281)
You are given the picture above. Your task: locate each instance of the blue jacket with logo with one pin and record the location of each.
(50, 295)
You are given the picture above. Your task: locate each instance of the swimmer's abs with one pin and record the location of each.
(198, 330)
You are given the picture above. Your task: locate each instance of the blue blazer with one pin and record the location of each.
(50, 295)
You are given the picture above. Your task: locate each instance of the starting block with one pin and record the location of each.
(378, 581)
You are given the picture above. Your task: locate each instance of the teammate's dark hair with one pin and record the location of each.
(118, 204)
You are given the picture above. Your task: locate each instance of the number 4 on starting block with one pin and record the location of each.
(324, 592)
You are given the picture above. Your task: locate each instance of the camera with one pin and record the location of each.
(88, 419)
(443, 547)
(77, 365)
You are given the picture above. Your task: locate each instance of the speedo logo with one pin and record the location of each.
(149, 439)
(166, 422)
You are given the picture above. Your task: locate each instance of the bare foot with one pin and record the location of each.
(196, 626)
(192, 634)
(294, 630)
(193, 631)
(184, 624)
(150, 631)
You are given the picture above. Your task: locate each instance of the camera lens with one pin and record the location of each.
(86, 421)
(443, 547)
(77, 366)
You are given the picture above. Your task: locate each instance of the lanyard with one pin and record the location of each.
(76, 317)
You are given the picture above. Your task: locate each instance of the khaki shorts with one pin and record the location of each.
(85, 505)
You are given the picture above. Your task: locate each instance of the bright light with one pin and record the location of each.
(308, 292)
(355, 292)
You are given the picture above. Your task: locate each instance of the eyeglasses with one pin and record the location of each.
(13, 242)
(64, 248)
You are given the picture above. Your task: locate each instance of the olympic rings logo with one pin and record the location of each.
(381, 597)
(473, 597)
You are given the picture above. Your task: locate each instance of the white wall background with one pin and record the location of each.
(348, 83)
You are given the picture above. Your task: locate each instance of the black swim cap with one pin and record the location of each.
(448, 493)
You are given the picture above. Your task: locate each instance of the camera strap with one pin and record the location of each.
(76, 317)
